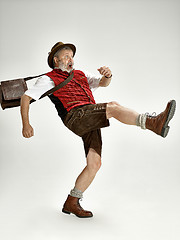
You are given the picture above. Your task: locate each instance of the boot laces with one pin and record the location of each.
(151, 115)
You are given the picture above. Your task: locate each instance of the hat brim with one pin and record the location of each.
(51, 54)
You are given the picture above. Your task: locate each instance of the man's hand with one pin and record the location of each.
(105, 71)
(106, 79)
(27, 131)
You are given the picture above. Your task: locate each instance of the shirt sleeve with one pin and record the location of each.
(93, 80)
(42, 85)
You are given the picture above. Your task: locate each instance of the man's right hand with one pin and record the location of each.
(27, 131)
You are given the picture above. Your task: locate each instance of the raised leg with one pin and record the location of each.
(122, 114)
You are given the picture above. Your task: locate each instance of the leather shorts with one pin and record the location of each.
(86, 121)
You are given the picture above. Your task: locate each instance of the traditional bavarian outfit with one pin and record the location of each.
(79, 112)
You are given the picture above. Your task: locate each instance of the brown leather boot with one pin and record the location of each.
(72, 206)
(159, 123)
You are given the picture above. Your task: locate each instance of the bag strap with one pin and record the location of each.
(66, 81)
(29, 78)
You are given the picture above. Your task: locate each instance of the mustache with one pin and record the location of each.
(70, 64)
(64, 67)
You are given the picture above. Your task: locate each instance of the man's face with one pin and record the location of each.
(65, 60)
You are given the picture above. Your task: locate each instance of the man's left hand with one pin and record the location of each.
(105, 71)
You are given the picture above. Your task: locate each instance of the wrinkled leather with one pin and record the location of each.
(11, 92)
(158, 123)
(84, 119)
(13, 89)
(72, 205)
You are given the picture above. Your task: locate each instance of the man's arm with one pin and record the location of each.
(27, 130)
(106, 78)
(42, 85)
(104, 81)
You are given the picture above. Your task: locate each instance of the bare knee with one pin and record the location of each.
(93, 161)
(95, 165)
(112, 108)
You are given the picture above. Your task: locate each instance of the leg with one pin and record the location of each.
(158, 124)
(87, 175)
(92, 146)
(121, 113)
(82, 183)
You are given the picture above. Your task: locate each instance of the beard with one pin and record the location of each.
(66, 67)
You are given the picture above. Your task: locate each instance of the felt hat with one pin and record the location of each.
(55, 48)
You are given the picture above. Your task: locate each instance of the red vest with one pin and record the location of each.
(76, 92)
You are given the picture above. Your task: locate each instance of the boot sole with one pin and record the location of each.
(170, 115)
(66, 212)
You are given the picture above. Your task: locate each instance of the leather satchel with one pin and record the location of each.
(11, 91)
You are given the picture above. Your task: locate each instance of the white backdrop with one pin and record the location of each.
(136, 193)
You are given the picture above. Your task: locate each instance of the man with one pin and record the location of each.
(79, 112)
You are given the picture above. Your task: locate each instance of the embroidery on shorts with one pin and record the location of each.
(72, 102)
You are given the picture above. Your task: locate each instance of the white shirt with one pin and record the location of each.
(45, 83)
